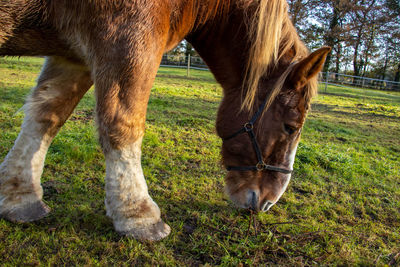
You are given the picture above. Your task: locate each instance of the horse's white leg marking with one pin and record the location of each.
(60, 87)
(127, 200)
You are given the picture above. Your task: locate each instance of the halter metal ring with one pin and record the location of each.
(260, 166)
(248, 126)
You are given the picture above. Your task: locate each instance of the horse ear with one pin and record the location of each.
(308, 67)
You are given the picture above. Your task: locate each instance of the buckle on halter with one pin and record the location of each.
(248, 126)
(260, 166)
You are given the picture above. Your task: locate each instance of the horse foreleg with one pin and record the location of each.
(122, 98)
(60, 87)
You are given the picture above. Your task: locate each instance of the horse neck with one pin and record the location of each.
(240, 51)
(222, 43)
(223, 46)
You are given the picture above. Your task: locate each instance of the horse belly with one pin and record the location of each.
(35, 43)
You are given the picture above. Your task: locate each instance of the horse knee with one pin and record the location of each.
(119, 130)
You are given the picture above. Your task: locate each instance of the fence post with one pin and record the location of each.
(188, 66)
(326, 80)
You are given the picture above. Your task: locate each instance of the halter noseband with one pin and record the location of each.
(248, 128)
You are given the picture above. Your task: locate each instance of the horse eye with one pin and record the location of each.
(289, 129)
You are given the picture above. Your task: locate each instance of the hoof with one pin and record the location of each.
(153, 232)
(27, 213)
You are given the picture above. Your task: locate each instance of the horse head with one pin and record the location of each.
(260, 155)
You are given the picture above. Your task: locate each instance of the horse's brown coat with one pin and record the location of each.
(250, 46)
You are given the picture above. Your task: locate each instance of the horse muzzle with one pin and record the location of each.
(254, 203)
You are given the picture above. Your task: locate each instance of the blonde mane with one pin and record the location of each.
(272, 35)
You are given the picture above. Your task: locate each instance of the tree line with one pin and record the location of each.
(364, 34)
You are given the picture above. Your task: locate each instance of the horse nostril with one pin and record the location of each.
(267, 205)
(253, 200)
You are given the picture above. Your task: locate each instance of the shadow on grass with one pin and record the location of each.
(181, 111)
(89, 216)
(13, 94)
(382, 97)
(191, 104)
(14, 62)
(366, 115)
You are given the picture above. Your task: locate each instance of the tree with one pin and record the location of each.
(392, 7)
(326, 25)
(184, 48)
(362, 33)
(366, 21)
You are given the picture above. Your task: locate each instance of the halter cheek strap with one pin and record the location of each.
(261, 165)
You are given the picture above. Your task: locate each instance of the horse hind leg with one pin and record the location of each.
(60, 87)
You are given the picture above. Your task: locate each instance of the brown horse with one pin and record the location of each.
(250, 46)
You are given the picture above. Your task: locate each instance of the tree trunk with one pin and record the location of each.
(356, 64)
(361, 21)
(330, 38)
(385, 65)
(338, 57)
(397, 76)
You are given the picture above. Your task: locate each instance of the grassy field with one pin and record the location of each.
(342, 206)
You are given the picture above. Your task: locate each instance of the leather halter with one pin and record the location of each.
(248, 128)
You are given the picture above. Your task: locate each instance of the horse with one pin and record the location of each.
(253, 50)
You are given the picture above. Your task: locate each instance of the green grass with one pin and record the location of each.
(342, 206)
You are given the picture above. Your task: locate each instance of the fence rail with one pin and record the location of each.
(356, 81)
(327, 77)
(183, 62)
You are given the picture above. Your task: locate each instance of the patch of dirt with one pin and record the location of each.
(51, 189)
(82, 115)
